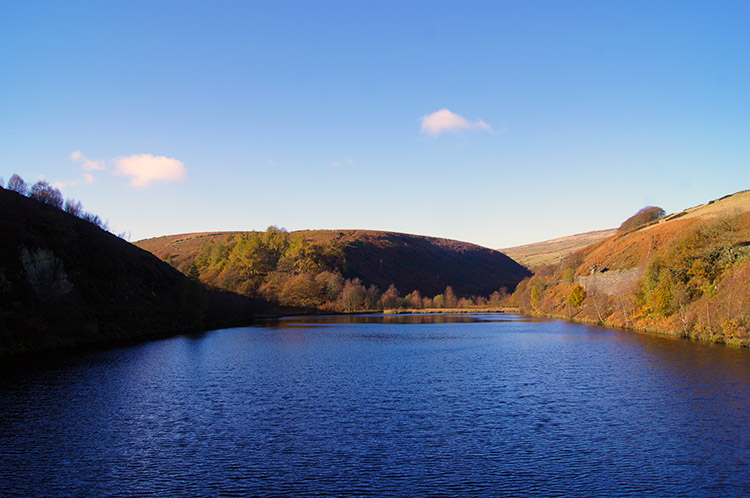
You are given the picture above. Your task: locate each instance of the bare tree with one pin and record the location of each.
(17, 184)
(46, 193)
(74, 207)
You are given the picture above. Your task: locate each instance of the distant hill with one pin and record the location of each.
(64, 283)
(554, 250)
(409, 262)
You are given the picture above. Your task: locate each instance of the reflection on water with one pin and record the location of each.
(389, 319)
(383, 405)
(393, 319)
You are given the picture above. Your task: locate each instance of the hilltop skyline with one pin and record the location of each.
(493, 123)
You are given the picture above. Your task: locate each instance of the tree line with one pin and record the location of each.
(291, 270)
(43, 192)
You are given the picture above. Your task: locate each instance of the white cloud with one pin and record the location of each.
(143, 169)
(88, 178)
(61, 184)
(86, 163)
(445, 121)
(348, 162)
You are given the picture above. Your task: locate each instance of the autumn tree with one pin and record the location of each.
(451, 301)
(439, 301)
(390, 298)
(301, 290)
(642, 217)
(577, 296)
(331, 285)
(414, 300)
(353, 296)
(372, 299)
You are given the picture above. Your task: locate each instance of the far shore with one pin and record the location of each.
(413, 311)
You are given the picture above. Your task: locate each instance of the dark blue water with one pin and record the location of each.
(476, 406)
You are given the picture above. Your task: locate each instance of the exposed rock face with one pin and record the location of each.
(46, 274)
(66, 283)
(611, 282)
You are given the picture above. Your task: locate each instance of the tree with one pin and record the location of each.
(353, 296)
(390, 299)
(94, 219)
(331, 284)
(414, 300)
(193, 273)
(439, 301)
(46, 193)
(373, 297)
(74, 207)
(642, 217)
(17, 184)
(577, 296)
(451, 301)
(301, 290)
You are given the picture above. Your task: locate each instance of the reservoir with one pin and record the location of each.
(434, 405)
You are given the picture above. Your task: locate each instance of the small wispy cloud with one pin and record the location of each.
(86, 163)
(62, 184)
(445, 121)
(144, 169)
(348, 162)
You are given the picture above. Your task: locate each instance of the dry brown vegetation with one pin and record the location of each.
(553, 251)
(343, 270)
(684, 274)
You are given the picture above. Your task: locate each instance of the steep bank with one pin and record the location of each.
(64, 283)
(684, 274)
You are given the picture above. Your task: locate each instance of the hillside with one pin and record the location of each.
(249, 262)
(635, 248)
(683, 274)
(64, 283)
(554, 250)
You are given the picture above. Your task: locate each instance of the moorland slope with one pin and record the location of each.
(66, 283)
(554, 250)
(275, 264)
(683, 274)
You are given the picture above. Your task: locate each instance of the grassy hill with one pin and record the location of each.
(554, 250)
(635, 248)
(382, 259)
(683, 274)
(64, 283)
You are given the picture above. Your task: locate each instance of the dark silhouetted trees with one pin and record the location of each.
(17, 184)
(46, 193)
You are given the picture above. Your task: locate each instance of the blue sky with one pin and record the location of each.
(498, 123)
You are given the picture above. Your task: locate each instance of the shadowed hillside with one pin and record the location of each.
(64, 282)
(265, 262)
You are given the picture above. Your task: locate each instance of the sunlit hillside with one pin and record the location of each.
(554, 250)
(302, 267)
(684, 274)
